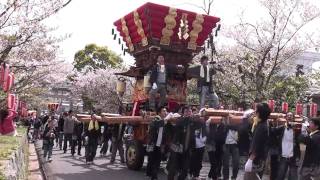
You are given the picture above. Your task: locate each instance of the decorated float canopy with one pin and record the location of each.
(164, 27)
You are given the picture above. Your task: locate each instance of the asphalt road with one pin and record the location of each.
(66, 167)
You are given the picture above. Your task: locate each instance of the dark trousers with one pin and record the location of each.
(91, 150)
(233, 151)
(196, 161)
(67, 137)
(105, 145)
(152, 96)
(60, 139)
(285, 164)
(117, 145)
(215, 158)
(153, 165)
(274, 166)
(76, 142)
(47, 149)
(179, 163)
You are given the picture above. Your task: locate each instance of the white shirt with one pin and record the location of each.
(287, 143)
(200, 140)
(159, 139)
(232, 137)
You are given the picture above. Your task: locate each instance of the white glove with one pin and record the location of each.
(208, 122)
(248, 166)
(154, 86)
(169, 116)
(304, 128)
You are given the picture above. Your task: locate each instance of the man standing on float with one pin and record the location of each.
(158, 80)
(204, 85)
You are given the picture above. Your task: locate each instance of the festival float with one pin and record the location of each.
(179, 35)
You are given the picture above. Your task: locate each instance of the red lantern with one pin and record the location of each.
(313, 109)
(8, 82)
(271, 104)
(285, 107)
(11, 101)
(53, 106)
(4, 75)
(299, 108)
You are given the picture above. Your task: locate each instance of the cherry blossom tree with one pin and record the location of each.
(98, 89)
(260, 52)
(22, 23)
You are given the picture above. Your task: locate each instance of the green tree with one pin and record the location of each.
(290, 89)
(94, 57)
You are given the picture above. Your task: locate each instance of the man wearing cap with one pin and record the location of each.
(311, 163)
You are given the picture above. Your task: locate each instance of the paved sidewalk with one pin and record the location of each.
(34, 167)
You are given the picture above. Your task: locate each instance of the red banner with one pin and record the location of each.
(313, 109)
(11, 101)
(8, 82)
(285, 107)
(299, 109)
(53, 106)
(4, 74)
(271, 104)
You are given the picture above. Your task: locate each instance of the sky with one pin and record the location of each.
(91, 21)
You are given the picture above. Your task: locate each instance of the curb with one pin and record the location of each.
(38, 150)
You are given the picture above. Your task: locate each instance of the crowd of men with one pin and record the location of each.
(182, 144)
(256, 137)
(66, 132)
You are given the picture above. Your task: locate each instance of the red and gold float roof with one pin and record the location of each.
(153, 24)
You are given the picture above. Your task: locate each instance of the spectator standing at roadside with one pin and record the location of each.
(48, 139)
(68, 128)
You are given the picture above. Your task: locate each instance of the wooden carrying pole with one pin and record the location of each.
(224, 113)
(116, 119)
(217, 112)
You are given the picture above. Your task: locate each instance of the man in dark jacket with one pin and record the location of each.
(215, 143)
(106, 136)
(77, 137)
(204, 85)
(92, 133)
(198, 150)
(259, 145)
(48, 139)
(231, 149)
(60, 129)
(183, 142)
(158, 80)
(156, 144)
(117, 142)
(289, 149)
(311, 163)
(68, 128)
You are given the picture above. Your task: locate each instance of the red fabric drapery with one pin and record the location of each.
(152, 17)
